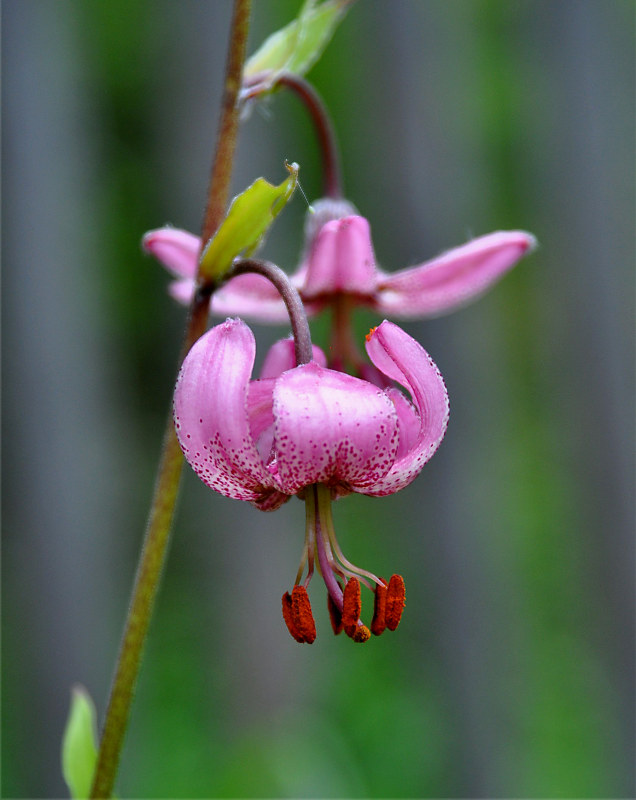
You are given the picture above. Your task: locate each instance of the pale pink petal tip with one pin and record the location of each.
(177, 250)
(424, 422)
(453, 278)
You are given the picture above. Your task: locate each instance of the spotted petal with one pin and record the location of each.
(211, 417)
(331, 427)
(453, 278)
(401, 358)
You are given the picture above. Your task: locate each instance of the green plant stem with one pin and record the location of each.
(157, 536)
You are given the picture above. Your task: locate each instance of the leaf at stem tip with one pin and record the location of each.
(296, 47)
(79, 744)
(248, 218)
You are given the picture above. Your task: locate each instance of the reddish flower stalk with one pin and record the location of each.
(319, 116)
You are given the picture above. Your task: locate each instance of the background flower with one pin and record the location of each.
(340, 260)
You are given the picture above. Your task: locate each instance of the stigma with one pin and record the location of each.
(342, 579)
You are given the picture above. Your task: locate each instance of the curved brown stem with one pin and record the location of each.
(291, 298)
(322, 123)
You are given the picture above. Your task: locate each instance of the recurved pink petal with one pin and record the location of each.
(453, 278)
(341, 259)
(211, 417)
(408, 421)
(177, 250)
(330, 427)
(281, 356)
(401, 358)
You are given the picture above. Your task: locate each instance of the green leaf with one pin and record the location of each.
(79, 744)
(243, 229)
(296, 47)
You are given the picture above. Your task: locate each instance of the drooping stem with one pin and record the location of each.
(291, 298)
(322, 123)
(157, 536)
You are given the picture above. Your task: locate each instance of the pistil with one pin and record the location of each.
(326, 562)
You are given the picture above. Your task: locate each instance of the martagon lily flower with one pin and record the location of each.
(339, 266)
(315, 433)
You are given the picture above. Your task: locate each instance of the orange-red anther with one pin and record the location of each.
(351, 606)
(287, 616)
(301, 614)
(335, 615)
(297, 615)
(378, 623)
(370, 334)
(395, 600)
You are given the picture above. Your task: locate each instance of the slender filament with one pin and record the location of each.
(324, 511)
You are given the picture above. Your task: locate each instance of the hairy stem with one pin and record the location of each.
(157, 536)
(229, 124)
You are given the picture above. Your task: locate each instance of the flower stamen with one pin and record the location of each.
(289, 621)
(342, 579)
(378, 623)
(351, 609)
(297, 615)
(395, 601)
(324, 509)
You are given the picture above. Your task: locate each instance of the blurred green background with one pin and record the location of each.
(512, 674)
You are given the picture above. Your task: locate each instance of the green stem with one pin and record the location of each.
(157, 536)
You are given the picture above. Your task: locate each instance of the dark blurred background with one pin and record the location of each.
(512, 674)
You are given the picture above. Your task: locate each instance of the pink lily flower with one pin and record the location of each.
(316, 433)
(339, 262)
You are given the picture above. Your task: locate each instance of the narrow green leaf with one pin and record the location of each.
(296, 47)
(243, 229)
(79, 744)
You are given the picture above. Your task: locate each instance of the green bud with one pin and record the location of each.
(296, 47)
(79, 744)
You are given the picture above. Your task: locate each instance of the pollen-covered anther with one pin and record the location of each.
(297, 615)
(361, 633)
(287, 616)
(395, 601)
(351, 608)
(378, 623)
